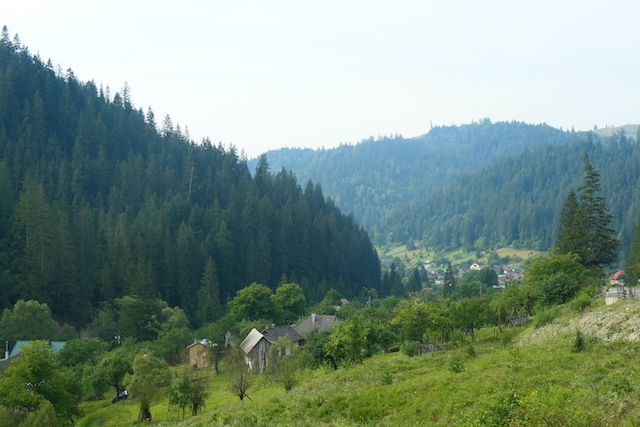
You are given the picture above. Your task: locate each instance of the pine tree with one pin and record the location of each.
(449, 280)
(585, 224)
(570, 235)
(209, 308)
(632, 266)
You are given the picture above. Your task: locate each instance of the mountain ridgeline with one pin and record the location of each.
(91, 191)
(478, 186)
(374, 177)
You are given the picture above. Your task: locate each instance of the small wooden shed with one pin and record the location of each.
(199, 353)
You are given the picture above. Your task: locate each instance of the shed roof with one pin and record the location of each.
(252, 339)
(205, 342)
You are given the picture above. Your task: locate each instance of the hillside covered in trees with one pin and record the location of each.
(479, 186)
(97, 199)
(518, 200)
(374, 177)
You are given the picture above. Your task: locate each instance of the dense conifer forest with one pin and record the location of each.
(479, 186)
(518, 200)
(98, 200)
(374, 177)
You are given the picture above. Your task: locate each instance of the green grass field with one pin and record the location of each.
(523, 377)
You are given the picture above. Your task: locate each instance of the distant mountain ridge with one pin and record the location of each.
(374, 177)
(479, 186)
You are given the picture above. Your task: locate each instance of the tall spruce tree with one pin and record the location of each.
(632, 266)
(585, 223)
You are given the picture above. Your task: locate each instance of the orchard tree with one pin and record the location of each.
(150, 374)
(239, 375)
(37, 377)
(284, 363)
(113, 368)
(348, 340)
(189, 388)
(413, 319)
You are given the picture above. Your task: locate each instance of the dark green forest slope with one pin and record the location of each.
(374, 177)
(518, 200)
(91, 190)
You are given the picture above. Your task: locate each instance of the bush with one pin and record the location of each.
(580, 303)
(456, 364)
(579, 342)
(471, 351)
(545, 316)
(409, 348)
(508, 334)
(386, 378)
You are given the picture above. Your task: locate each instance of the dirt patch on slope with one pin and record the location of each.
(620, 321)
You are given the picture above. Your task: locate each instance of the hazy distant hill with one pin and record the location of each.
(374, 177)
(517, 200)
(480, 185)
(629, 130)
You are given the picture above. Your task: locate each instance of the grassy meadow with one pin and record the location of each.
(530, 376)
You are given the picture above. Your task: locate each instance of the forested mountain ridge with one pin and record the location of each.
(374, 177)
(92, 193)
(518, 200)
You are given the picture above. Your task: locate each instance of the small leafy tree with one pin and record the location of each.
(45, 415)
(37, 377)
(284, 368)
(113, 368)
(149, 375)
(239, 375)
(348, 340)
(189, 389)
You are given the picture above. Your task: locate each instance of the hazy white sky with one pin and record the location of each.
(270, 74)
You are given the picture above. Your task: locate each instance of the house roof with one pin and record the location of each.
(322, 322)
(205, 342)
(252, 339)
(17, 348)
(273, 334)
(617, 275)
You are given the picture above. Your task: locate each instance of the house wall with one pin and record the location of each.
(198, 356)
(257, 358)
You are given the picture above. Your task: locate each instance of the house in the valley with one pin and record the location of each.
(16, 351)
(199, 353)
(477, 266)
(321, 322)
(615, 278)
(256, 345)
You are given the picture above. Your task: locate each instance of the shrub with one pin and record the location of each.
(410, 348)
(386, 378)
(580, 303)
(508, 334)
(456, 364)
(545, 316)
(579, 343)
(471, 351)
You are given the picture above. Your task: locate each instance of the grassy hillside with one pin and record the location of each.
(521, 377)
